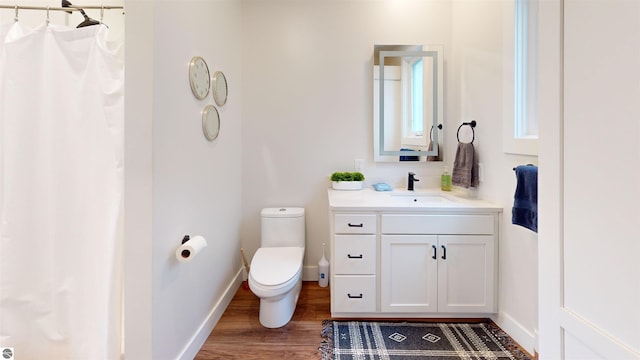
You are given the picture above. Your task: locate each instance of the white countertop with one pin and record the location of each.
(396, 200)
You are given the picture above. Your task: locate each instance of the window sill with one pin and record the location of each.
(521, 146)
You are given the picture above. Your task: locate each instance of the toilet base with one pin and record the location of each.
(276, 312)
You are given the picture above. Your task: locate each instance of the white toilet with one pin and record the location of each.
(276, 268)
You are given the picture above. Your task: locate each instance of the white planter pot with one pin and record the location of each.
(346, 185)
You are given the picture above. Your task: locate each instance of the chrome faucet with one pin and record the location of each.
(412, 179)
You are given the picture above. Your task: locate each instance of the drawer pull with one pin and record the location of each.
(354, 296)
(444, 253)
(355, 225)
(434, 252)
(354, 256)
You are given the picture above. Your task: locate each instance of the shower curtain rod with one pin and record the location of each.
(56, 8)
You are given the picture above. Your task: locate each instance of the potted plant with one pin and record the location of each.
(347, 180)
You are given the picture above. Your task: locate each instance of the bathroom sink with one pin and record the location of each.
(418, 198)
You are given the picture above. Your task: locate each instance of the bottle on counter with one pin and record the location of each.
(445, 180)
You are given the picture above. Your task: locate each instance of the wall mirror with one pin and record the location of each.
(407, 102)
(210, 122)
(220, 88)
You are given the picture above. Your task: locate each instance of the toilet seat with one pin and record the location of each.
(273, 268)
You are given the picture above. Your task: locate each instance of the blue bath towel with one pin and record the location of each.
(525, 204)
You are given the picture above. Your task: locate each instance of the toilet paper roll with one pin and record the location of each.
(187, 251)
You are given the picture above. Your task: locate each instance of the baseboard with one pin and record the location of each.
(519, 333)
(197, 340)
(310, 273)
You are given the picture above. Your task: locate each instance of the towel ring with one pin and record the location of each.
(431, 131)
(472, 124)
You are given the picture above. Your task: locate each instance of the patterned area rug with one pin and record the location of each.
(413, 340)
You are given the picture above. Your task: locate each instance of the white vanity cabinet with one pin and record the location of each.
(353, 263)
(392, 260)
(437, 263)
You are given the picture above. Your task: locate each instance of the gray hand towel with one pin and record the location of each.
(434, 158)
(465, 166)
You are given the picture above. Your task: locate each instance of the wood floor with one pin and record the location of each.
(239, 335)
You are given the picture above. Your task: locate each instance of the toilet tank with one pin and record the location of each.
(282, 227)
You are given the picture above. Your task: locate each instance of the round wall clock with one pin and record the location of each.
(199, 77)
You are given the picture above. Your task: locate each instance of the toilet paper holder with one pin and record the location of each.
(185, 253)
(190, 247)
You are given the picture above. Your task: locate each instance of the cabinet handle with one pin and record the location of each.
(354, 256)
(354, 296)
(444, 253)
(435, 250)
(355, 225)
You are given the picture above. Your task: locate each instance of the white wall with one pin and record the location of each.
(308, 101)
(478, 90)
(138, 182)
(180, 183)
(308, 109)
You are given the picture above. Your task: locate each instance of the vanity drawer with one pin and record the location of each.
(355, 223)
(355, 254)
(437, 224)
(354, 294)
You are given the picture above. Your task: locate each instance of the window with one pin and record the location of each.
(417, 116)
(521, 133)
(413, 113)
(415, 108)
(525, 119)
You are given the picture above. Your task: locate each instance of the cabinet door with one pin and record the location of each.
(408, 276)
(466, 276)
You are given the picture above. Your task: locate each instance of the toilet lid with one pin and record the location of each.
(273, 266)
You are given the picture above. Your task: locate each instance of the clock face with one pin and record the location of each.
(199, 77)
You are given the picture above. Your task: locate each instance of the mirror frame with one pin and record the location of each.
(434, 52)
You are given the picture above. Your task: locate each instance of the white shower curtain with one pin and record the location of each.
(61, 180)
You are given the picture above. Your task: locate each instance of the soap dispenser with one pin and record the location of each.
(445, 180)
